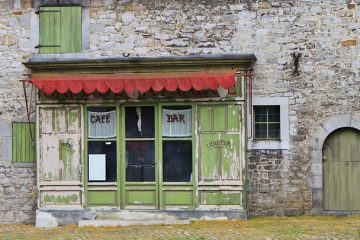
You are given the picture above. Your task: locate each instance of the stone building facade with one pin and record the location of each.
(318, 91)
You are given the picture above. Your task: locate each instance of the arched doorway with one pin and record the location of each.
(341, 170)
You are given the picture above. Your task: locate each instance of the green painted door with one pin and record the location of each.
(341, 166)
(221, 154)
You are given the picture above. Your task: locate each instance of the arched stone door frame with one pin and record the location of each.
(316, 145)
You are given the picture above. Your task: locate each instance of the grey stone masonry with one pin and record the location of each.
(325, 33)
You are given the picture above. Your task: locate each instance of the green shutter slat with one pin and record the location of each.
(71, 29)
(50, 26)
(22, 148)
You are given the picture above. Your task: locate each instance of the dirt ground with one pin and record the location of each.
(267, 228)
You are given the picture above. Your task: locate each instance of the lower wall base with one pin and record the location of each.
(54, 218)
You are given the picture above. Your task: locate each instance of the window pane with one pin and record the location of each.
(260, 130)
(140, 161)
(139, 122)
(176, 123)
(177, 161)
(274, 114)
(109, 150)
(260, 114)
(274, 130)
(101, 124)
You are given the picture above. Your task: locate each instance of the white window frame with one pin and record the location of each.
(283, 142)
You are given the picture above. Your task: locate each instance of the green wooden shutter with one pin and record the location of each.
(60, 30)
(50, 23)
(70, 29)
(23, 150)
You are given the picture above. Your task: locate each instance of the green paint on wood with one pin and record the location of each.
(178, 197)
(341, 170)
(230, 157)
(23, 149)
(50, 24)
(233, 118)
(140, 197)
(66, 153)
(210, 148)
(47, 176)
(60, 29)
(220, 118)
(220, 150)
(205, 119)
(60, 200)
(70, 29)
(102, 198)
(220, 198)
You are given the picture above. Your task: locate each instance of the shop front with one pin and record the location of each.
(163, 135)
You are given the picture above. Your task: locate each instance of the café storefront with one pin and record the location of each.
(144, 134)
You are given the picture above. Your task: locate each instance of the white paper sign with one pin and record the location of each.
(102, 124)
(176, 123)
(97, 167)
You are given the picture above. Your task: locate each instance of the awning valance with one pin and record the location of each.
(132, 82)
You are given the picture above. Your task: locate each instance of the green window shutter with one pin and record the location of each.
(60, 30)
(23, 150)
(71, 29)
(50, 23)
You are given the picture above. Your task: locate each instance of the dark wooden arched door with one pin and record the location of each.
(341, 170)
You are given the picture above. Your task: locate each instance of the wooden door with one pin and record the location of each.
(341, 166)
(221, 154)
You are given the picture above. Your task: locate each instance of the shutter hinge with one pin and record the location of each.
(39, 46)
(40, 11)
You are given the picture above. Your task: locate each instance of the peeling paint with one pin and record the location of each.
(60, 199)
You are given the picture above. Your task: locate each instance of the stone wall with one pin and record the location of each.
(17, 181)
(326, 33)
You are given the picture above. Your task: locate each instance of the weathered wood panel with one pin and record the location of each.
(60, 198)
(341, 170)
(23, 149)
(140, 198)
(219, 143)
(103, 198)
(220, 198)
(178, 198)
(60, 144)
(59, 159)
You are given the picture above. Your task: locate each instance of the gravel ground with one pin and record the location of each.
(267, 228)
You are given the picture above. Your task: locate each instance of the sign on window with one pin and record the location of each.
(97, 167)
(176, 123)
(102, 124)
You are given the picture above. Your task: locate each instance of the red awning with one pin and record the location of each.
(89, 83)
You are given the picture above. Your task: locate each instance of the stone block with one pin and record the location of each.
(316, 182)
(45, 220)
(349, 43)
(6, 149)
(8, 39)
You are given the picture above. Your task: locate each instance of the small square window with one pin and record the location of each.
(267, 122)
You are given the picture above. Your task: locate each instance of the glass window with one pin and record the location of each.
(177, 143)
(139, 122)
(102, 170)
(102, 144)
(140, 144)
(140, 161)
(177, 161)
(267, 122)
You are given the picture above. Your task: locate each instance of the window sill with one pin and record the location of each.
(268, 144)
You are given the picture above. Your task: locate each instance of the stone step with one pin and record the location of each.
(124, 223)
(128, 215)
